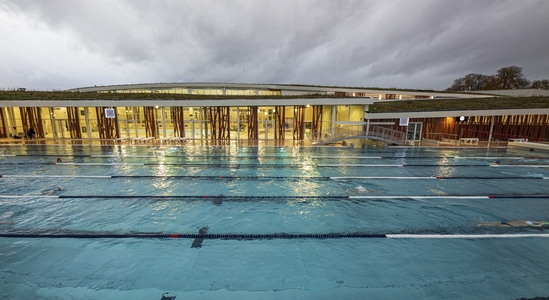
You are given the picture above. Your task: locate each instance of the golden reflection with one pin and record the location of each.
(444, 169)
(161, 169)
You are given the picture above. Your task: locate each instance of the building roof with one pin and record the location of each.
(286, 89)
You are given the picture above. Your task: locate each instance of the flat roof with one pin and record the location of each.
(190, 103)
(286, 87)
(456, 113)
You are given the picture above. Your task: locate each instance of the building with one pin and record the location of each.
(265, 112)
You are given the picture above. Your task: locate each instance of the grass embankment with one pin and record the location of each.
(380, 107)
(461, 104)
(40, 95)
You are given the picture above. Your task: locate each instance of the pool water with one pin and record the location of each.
(122, 190)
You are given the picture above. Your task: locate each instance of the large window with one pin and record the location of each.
(350, 113)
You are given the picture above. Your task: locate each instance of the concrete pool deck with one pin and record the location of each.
(274, 143)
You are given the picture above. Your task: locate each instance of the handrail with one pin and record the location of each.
(341, 133)
(441, 136)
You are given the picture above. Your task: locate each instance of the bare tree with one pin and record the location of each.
(510, 78)
(506, 78)
(474, 82)
(471, 82)
(492, 83)
(457, 85)
(540, 84)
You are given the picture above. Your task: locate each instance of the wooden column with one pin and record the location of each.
(3, 124)
(316, 127)
(107, 127)
(74, 122)
(31, 118)
(253, 133)
(150, 121)
(299, 120)
(280, 115)
(220, 122)
(178, 123)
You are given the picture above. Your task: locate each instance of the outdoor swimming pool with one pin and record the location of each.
(275, 223)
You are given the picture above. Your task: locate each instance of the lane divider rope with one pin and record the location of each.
(375, 197)
(160, 155)
(270, 165)
(236, 236)
(229, 177)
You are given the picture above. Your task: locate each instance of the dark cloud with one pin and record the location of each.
(408, 44)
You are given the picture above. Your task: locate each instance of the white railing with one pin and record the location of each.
(341, 133)
(441, 136)
(387, 134)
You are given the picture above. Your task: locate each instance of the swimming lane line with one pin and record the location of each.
(245, 198)
(222, 177)
(256, 236)
(290, 165)
(522, 166)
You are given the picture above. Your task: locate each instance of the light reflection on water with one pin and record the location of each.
(435, 268)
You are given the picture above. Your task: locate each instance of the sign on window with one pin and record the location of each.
(403, 121)
(109, 113)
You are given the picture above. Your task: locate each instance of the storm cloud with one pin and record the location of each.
(60, 44)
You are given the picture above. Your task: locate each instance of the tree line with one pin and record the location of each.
(506, 78)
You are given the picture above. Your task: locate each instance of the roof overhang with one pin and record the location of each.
(310, 89)
(466, 113)
(189, 103)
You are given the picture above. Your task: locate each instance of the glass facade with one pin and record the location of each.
(160, 122)
(200, 91)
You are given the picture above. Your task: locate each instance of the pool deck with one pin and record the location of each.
(529, 145)
(106, 142)
(543, 146)
(251, 143)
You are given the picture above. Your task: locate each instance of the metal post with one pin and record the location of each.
(238, 120)
(163, 122)
(333, 119)
(491, 130)
(205, 121)
(88, 128)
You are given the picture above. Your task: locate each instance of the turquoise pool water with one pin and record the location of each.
(139, 190)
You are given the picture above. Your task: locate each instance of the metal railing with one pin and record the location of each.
(359, 131)
(441, 136)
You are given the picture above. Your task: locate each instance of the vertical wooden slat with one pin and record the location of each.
(3, 124)
(178, 121)
(316, 126)
(107, 127)
(150, 121)
(280, 115)
(253, 133)
(74, 122)
(299, 119)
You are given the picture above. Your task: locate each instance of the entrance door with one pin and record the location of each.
(414, 131)
(195, 128)
(267, 129)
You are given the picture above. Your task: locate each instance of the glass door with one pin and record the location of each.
(414, 131)
(61, 129)
(195, 128)
(266, 129)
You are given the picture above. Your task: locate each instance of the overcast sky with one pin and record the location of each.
(61, 44)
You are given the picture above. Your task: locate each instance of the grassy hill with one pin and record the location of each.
(378, 107)
(461, 104)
